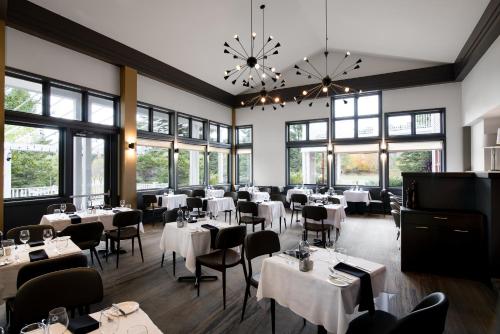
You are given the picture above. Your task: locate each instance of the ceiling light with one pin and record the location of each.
(325, 89)
(304, 92)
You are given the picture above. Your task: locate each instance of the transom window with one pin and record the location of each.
(219, 133)
(188, 127)
(356, 116)
(23, 95)
(415, 123)
(307, 130)
(244, 135)
(153, 119)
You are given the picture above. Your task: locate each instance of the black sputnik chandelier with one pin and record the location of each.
(253, 70)
(327, 84)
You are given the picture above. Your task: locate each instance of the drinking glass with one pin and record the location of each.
(35, 328)
(61, 244)
(24, 237)
(47, 235)
(341, 254)
(137, 329)
(109, 321)
(122, 203)
(330, 247)
(63, 207)
(58, 320)
(8, 247)
(129, 206)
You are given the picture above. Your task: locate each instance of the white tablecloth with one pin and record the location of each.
(217, 205)
(341, 198)
(272, 211)
(310, 294)
(218, 193)
(357, 196)
(290, 192)
(249, 189)
(336, 214)
(260, 196)
(60, 221)
(173, 201)
(189, 242)
(8, 273)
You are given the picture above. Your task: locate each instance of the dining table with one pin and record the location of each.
(172, 201)
(218, 193)
(260, 196)
(272, 211)
(313, 295)
(216, 205)
(324, 197)
(290, 192)
(335, 215)
(10, 265)
(357, 196)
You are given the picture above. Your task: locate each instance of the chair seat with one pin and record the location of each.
(298, 207)
(317, 227)
(214, 260)
(126, 233)
(252, 220)
(376, 201)
(379, 323)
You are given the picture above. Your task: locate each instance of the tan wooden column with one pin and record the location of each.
(128, 134)
(233, 148)
(2, 115)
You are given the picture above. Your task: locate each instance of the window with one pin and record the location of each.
(191, 166)
(244, 166)
(23, 95)
(65, 103)
(31, 165)
(190, 128)
(223, 135)
(413, 157)
(161, 122)
(318, 130)
(357, 165)
(153, 165)
(183, 127)
(213, 133)
(244, 135)
(142, 118)
(101, 110)
(297, 132)
(307, 130)
(197, 130)
(415, 123)
(307, 165)
(356, 117)
(218, 166)
(219, 133)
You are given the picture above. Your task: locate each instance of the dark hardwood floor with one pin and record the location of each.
(174, 307)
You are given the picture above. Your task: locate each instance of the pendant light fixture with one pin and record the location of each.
(327, 83)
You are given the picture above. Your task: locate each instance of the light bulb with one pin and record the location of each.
(225, 72)
(242, 103)
(304, 92)
(305, 58)
(254, 34)
(325, 89)
(346, 90)
(263, 75)
(271, 37)
(250, 77)
(284, 102)
(276, 100)
(238, 67)
(277, 76)
(235, 36)
(263, 99)
(348, 53)
(273, 69)
(257, 66)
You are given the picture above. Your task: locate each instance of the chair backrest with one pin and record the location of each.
(231, 194)
(397, 217)
(70, 207)
(261, 243)
(277, 197)
(244, 195)
(275, 190)
(71, 288)
(187, 192)
(230, 237)
(265, 189)
(323, 190)
(36, 232)
(194, 203)
(395, 206)
(198, 193)
(86, 232)
(170, 216)
(299, 198)
(127, 218)
(333, 200)
(314, 212)
(428, 317)
(149, 200)
(248, 207)
(42, 267)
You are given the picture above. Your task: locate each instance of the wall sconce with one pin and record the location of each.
(176, 153)
(330, 155)
(383, 154)
(131, 146)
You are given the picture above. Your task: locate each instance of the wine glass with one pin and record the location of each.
(61, 244)
(58, 320)
(341, 254)
(24, 237)
(137, 329)
(63, 207)
(34, 328)
(47, 235)
(109, 321)
(122, 203)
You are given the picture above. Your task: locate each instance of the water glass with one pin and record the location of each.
(58, 320)
(128, 206)
(122, 203)
(47, 235)
(137, 329)
(341, 254)
(61, 244)
(34, 328)
(63, 207)
(24, 237)
(109, 321)
(330, 247)
(8, 247)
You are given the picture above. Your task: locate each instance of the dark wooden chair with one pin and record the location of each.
(275, 190)
(75, 288)
(198, 193)
(86, 236)
(333, 200)
(187, 192)
(234, 196)
(127, 227)
(244, 196)
(169, 216)
(297, 203)
(195, 206)
(258, 244)
(150, 206)
(265, 189)
(396, 215)
(317, 213)
(279, 198)
(254, 219)
(70, 207)
(225, 257)
(428, 317)
(36, 232)
(395, 206)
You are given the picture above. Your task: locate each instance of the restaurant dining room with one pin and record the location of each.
(245, 166)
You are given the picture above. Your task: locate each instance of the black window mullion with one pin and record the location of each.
(45, 98)
(150, 120)
(85, 106)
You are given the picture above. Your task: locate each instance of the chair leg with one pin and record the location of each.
(291, 219)
(173, 261)
(230, 217)
(273, 315)
(253, 227)
(263, 226)
(140, 246)
(107, 249)
(91, 257)
(133, 242)
(198, 277)
(162, 259)
(280, 225)
(225, 216)
(117, 253)
(93, 250)
(224, 288)
(247, 292)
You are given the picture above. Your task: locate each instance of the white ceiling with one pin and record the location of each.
(189, 34)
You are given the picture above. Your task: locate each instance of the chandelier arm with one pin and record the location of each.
(267, 53)
(316, 96)
(311, 92)
(269, 73)
(311, 74)
(314, 68)
(261, 50)
(243, 48)
(237, 52)
(243, 70)
(233, 72)
(253, 79)
(347, 69)
(338, 66)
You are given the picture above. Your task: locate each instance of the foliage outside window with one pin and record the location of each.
(244, 135)
(161, 122)
(307, 165)
(182, 127)
(153, 167)
(214, 133)
(31, 165)
(357, 164)
(218, 167)
(356, 117)
(223, 135)
(23, 95)
(219, 133)
(197, 130)
(244, 166)
(142, 118)
(190, 167)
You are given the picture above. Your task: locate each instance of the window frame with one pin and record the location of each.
(218, 143)
(170, 166)
(356, 117)
(380, 163)
(150, 134)
(189, 138)
(238, 144)
(413, 134)
(243, 146)
(229, 176)
(307, 124)
(287, 163)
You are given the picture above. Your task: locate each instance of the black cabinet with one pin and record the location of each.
(443, 242)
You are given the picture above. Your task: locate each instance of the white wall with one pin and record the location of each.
(35, 55)
(269, 126)
(162, 95)
(477, 150)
